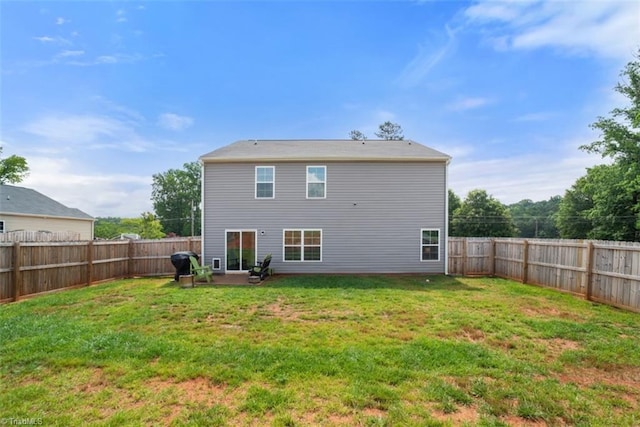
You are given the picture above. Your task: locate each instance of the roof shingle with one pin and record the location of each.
(20, 200)
(324, 150)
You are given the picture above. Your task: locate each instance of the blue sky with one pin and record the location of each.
(99, 96)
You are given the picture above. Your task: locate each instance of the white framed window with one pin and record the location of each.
(265, 182)
(430, 244)
(1, 226)
(302, 245)
(316, 182)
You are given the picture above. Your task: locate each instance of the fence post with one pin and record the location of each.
(464, 256)
(130, 254)
(492, 258)
(589, 275)
(90, 263)
(17, 276)
(525, 262)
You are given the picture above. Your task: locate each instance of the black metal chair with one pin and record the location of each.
(262, 269)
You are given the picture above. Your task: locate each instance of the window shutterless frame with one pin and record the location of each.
(429, 244)
(316, 182)
(302, 245)
(265, 182)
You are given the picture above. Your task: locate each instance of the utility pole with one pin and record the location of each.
(192, 219)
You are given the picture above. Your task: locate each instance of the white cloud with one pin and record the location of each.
(175, 122)
(78, 129)
(69, 53)
(122, 195)
(469, 103)
(122, 112)
(62, 21)
(121, 15)
(535, 176)
(604, 28)
(112, 59)
(426, 59)
(540, 116)
(53, 40)
(67, 132)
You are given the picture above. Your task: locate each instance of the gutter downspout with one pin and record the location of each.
(446, 217)
(202, 205)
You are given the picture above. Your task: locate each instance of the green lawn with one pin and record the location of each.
(319, 350)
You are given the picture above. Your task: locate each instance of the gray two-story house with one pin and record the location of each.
(325, 206)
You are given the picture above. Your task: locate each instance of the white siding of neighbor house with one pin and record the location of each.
(371, 218)
(14, 222)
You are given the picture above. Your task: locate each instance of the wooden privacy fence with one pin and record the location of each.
(40, 236)
(606, 272)
(32, 268)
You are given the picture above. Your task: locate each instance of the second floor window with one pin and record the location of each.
(316, 182)
(265, 182)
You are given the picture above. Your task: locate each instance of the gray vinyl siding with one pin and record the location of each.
(370, 219)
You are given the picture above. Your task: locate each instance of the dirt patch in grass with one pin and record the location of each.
(97, 382)
(466, 333)
(514, 421)
(549, 312)
(469, 415)
(282, 311)
(556, 346)
(464, 414)
(587, 377)
(472, 334)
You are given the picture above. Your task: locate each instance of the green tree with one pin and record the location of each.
(13, 169)
(387, 131)
(357, 135)
(481, 215)
(108, 228)
(176, 199)
(150, 226)
(572, 219)
(390, 131)
(536, 219)
(620, 141)
(454, 203)
(620, 135)
(147, 226)
(599, 206)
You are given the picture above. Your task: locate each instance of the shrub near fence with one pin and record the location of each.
(32, 268)
(606, 272)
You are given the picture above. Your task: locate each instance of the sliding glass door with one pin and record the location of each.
(240, 250)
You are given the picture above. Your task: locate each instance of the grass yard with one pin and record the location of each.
(319, 350)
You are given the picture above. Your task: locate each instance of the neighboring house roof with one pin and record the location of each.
(324, 150)
(20, 200)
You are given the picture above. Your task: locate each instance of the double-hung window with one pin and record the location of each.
(265, 182)
(316, 182)
(302, 245)
(430, 244)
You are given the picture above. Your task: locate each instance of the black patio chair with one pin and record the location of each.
(262, 269)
